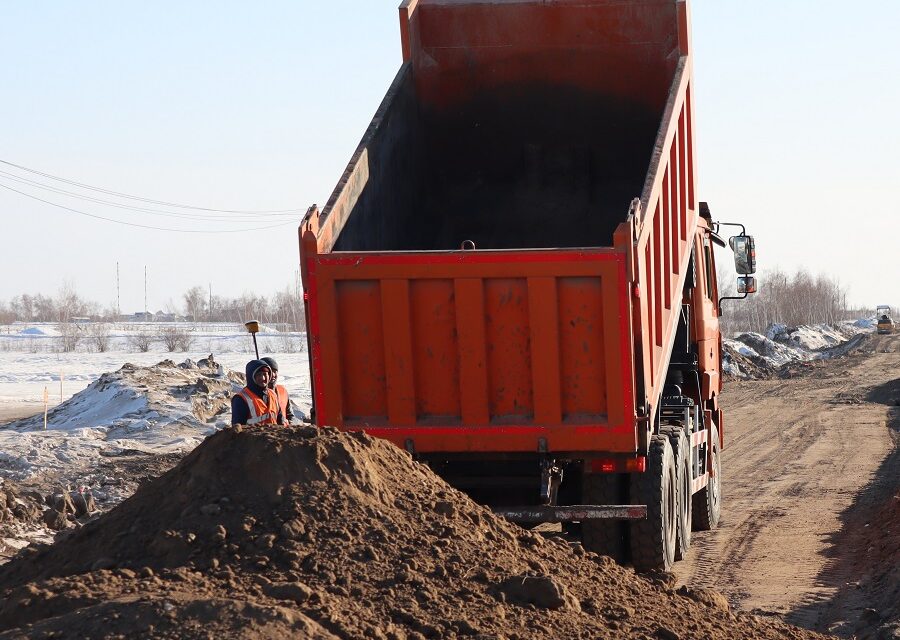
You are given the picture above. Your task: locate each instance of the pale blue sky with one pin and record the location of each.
(259, 106)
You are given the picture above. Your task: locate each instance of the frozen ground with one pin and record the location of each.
(118, 416)
(782, 344)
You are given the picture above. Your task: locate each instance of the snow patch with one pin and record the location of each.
(136, 409)
(32, 331)
(782, 344)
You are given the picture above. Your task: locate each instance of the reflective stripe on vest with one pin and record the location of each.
(260, 411)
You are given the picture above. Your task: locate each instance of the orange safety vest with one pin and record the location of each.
(282, 401)
(261, 412)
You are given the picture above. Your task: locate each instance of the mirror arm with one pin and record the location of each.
(730, 298)
(730, 224)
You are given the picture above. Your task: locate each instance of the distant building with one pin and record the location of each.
(142, 316)
(79, 319)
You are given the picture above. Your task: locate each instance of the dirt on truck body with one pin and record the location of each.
(514, 279)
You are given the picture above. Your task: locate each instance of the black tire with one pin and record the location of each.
(681, 449)
(606, 537)
(653, 539)
(708, 501)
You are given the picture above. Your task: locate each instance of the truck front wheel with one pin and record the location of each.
(653, 540)
(708, 501)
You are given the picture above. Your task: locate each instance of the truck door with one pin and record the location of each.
(706, 298)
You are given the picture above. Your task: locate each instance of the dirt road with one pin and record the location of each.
(15, 411)
(798, 454)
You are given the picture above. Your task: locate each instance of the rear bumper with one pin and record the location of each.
(574, 513)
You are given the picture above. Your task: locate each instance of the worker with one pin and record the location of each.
(256, 403)
(284, 403)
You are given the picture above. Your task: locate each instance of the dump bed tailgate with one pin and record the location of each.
(474, 351)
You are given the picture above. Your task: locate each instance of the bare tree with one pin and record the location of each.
(70, 335)
(175, 338)
(7, 315)
(140, 341)
(792, 300)
(44, 309)
(99, 335)
(69, 304)
(290, 343)
(195, 302)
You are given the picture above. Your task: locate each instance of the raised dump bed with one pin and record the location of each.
(510, 127)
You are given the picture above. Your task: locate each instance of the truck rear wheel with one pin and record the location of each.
(681, 449)
(708, 501)
(606, 537)
(653, 539)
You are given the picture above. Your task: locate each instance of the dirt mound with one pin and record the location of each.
(263, 533)
(790, 352)
(747, 367)
(21, 513)
(17, 505)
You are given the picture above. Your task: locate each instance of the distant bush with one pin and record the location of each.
(175, 338)
(99, 336)
(140, 341)
(290, 343)
(70, 335)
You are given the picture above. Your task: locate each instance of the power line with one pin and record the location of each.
(139, 198)
(159, 212)
(142, 226)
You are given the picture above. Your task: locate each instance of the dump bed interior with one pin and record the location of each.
(513, 125)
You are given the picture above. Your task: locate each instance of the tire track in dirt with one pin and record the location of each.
(797, 452)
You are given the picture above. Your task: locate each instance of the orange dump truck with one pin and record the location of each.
(514, 279)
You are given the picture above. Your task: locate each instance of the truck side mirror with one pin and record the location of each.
(746, 285)
(744, 254)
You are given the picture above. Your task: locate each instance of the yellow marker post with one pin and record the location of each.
(253, 328)
(46, 400)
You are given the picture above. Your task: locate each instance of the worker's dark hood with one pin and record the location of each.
(252, 367)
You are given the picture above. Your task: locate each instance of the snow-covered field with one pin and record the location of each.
(113, 414)
(31, 358)
(140, 411)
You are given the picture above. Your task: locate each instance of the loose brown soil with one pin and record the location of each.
(263, 533)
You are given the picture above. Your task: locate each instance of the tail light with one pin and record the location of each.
(619, 465)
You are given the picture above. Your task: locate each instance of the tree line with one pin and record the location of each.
(196, 305)
(788, 298)
(792, 299)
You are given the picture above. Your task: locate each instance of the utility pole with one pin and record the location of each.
(118, 293)
(145, 292)
(209, 308)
